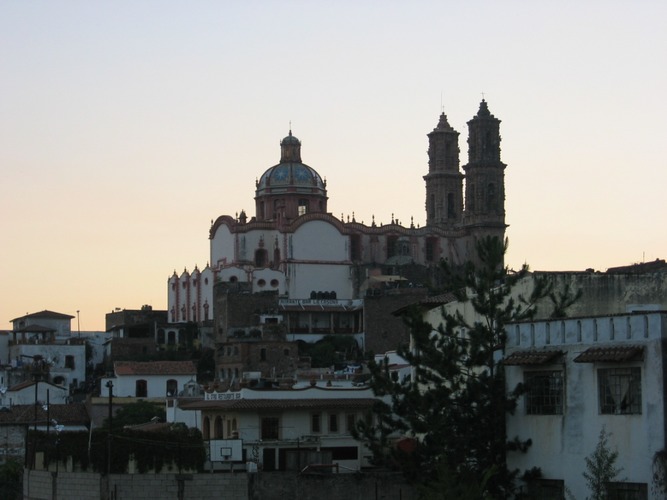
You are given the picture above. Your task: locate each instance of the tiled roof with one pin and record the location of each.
(527, 358)
(30, 383)
(150, 427)
(70, 414)
(46, 314)
(154, 368)
(610, 354)
(282, 404)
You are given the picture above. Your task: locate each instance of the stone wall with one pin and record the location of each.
(41, 485)
(364, 486)
(38, 485)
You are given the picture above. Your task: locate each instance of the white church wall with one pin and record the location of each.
(222, 246)
(306, 277)
(319, 241)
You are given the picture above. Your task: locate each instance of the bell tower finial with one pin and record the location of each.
(444, 181)
(485, 173)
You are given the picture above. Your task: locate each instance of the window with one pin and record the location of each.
(391, 246)
(333, 423)
(303, 207)
(620, 391)
(160, 336)
(141, 389)
(270, 428)
(262, 354)
(261, 258)
(355, 247)
(172, 387)
(451, 211)
(218, 427)
(547, 489)
(69, 362)
(351, 422)
(207, 429)
(315, 423)
(627, 491)
(544, 394)
(430, 249)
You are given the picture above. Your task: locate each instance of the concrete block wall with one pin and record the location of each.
(39, 485)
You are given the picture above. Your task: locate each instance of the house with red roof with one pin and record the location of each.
(150, 379)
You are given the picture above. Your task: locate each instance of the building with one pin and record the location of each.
(17, 420)
(150, 379)
(46, 339)
(583, 375)
(285, 429)
(320, 267)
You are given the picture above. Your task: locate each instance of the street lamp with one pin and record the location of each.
(109, 385)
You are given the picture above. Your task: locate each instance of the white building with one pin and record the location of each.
(46, 337)
(285, 429)
(29, 392)
(149, 379)
(583, 375)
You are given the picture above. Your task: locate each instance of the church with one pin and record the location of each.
(318, 268)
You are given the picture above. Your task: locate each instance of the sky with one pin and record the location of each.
(127, 126)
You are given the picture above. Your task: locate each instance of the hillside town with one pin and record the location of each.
(261, 376)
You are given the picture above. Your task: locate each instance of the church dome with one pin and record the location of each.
(285, 175)
(291, 187)
(290, 172)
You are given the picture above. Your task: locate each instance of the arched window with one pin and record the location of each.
(171, 337)
(141, 389)
(276, 258)
(451, 209)
(172, 387)
(491, 198)
(206, 431)
(391, 246)
(217, 433)
(547, 339)
(261, 257)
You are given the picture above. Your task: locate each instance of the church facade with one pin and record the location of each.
(295, 249)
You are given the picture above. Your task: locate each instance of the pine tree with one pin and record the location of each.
(601, 467)
(455, 405)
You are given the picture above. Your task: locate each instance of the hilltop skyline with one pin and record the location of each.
(126, 128)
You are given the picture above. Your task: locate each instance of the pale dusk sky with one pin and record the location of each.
(126, 126)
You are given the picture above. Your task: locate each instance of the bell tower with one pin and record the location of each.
(484, 173)
(444, 181)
